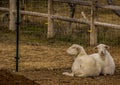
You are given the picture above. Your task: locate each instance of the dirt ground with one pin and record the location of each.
(7, 78)
(43, 64)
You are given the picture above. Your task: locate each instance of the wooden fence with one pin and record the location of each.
(50, 16)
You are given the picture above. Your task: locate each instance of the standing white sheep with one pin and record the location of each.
(105, 59)
(83, 65)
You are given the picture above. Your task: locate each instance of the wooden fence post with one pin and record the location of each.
(50, 31)
(12, 23)
(72, 13)
(93, 30)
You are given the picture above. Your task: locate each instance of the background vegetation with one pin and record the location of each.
(34, 29)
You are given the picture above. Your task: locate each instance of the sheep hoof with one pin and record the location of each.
(105, 74)
(68, 74)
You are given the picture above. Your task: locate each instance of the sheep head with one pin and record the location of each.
(76, 49)
(102, 49)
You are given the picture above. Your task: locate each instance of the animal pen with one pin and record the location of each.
(91, 19)
(48, 27)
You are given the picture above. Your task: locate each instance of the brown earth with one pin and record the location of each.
(7, 78)
(54, 77)
(44, 64)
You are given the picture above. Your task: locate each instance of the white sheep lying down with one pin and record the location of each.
(91, 65)
(83, 65)
(105, 59)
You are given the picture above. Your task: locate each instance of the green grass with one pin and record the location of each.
(35, 30)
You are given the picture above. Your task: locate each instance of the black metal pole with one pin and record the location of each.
(17, 35)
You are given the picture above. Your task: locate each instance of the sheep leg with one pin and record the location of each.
(81, 75)
(108, 71)
(68, 74)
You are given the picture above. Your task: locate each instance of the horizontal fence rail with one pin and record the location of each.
(4, 9)
(93, 4)
(38, 14)
(85, 22)
(88, 3)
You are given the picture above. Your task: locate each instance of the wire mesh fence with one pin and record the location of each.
(37, 26)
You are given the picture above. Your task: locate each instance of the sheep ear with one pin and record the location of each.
(95, 47)
(78, 49)
(107, 47)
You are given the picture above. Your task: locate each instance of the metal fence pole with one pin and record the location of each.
(17, 36)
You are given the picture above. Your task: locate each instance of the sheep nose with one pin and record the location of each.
(102, 52)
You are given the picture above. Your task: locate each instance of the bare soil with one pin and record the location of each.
(7, 78)
(44, 64)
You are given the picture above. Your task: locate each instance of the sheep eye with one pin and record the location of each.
(74, 47)
(107, 47)
(95, 47)
(80, 65)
